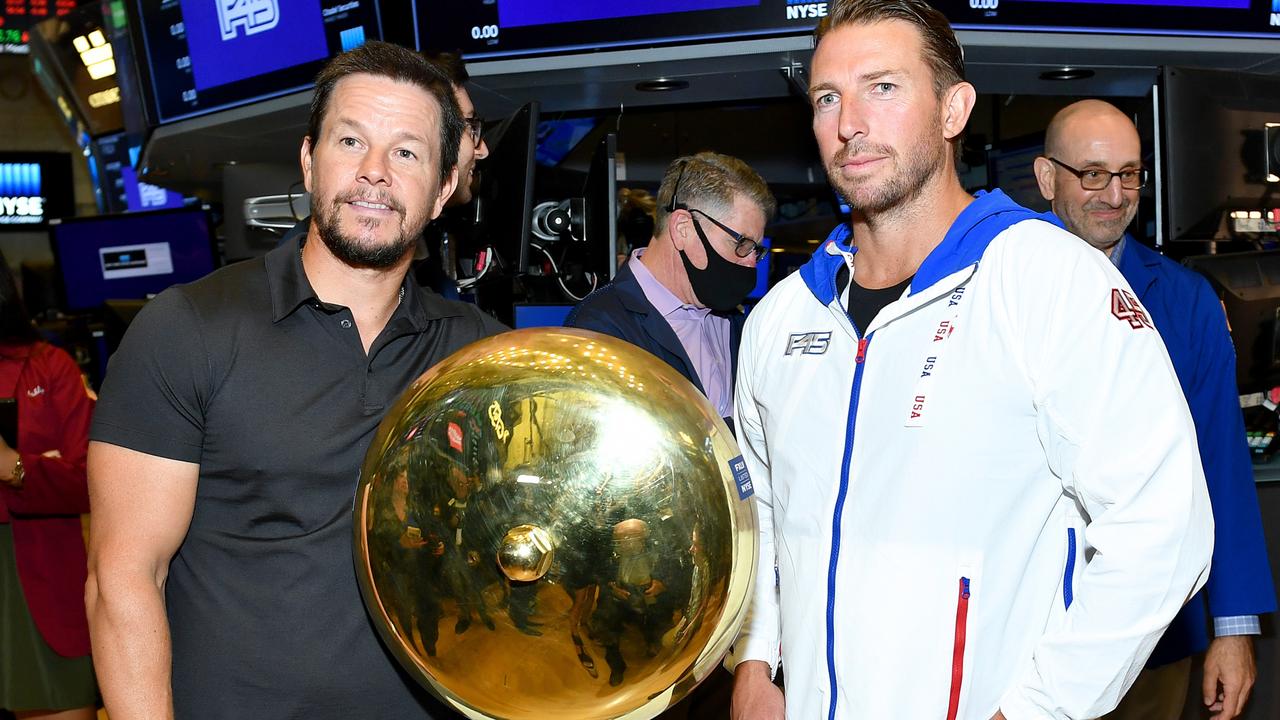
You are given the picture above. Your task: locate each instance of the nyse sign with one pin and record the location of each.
(20, 200)
(801, 10)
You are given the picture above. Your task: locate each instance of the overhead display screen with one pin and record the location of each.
(17, 17)
(1224, 18)
(485, 29)
(206, 55)
(34, 187)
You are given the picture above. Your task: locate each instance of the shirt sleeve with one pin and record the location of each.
(1237, 625)
(56, 485)
(761, 634)
(1116, 431)
(158, 384)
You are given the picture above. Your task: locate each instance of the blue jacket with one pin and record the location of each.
(620, 309)
(1190, 319)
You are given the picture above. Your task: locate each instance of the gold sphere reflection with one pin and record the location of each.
(525, 553)
(548, 524)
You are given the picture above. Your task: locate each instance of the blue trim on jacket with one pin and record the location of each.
(966, 240)
(1189, 317)
(973, 230)
(620, 309)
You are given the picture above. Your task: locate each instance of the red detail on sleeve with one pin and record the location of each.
(1126, 307)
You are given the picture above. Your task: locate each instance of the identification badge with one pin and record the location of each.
(741, 478)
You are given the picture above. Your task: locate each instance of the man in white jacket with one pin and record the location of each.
(931, 407)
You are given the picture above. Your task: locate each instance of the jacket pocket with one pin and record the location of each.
(964, 589)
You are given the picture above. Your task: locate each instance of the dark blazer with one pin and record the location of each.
(1189, 317)
(621, 309)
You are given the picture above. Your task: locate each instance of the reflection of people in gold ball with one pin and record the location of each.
(462, 551)
(630, 597)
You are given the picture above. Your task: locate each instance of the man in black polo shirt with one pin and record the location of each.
(234, 418)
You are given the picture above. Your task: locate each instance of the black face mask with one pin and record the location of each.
(723, 285)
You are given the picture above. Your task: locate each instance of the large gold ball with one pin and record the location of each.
(549, 525)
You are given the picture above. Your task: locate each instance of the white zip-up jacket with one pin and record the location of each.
(919, 483)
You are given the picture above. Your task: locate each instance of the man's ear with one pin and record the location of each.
(446, 191)
(679, 228)
(306, 163)
(957, 105)
(1043, 169)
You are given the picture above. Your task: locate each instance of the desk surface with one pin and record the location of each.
(1267, 472)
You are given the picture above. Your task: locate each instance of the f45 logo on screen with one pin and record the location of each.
(1125, 307)
(251, 16)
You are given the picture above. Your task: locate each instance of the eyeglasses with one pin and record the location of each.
(1099, 179)
(743, 245)
(475, 126)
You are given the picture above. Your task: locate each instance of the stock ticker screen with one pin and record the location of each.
(18, 17)
(206, 55)
(484, 29)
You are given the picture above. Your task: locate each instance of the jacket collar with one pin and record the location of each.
(962, 246)
(1138, 264)
(656, 326)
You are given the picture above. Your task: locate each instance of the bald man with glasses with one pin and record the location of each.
(1091, 174)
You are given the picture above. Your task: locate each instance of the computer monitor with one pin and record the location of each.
(1249, 285)
(506, 189)
(130, 256)
(1215, 154)
(600, 205)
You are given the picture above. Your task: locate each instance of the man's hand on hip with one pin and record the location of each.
(1229, 674)
(755, 697)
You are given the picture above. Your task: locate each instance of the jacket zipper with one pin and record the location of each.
(1068, 574)
(860, 361)
(957, 651)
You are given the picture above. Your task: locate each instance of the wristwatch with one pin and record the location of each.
(19, 473)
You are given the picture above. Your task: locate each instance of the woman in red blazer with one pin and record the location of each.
(45, 669)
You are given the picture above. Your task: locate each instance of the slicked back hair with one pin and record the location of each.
(942, 51)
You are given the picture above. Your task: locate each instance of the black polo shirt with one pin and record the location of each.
(248, 374)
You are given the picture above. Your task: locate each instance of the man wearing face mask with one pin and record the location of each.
(678, 298)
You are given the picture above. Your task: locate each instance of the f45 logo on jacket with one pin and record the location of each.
(1125, 307)
(810, 343)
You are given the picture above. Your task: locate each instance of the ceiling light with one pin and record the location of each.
(662, 85)
(1067, 73)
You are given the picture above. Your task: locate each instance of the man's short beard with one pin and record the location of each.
(922, 163)
(350, 251)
